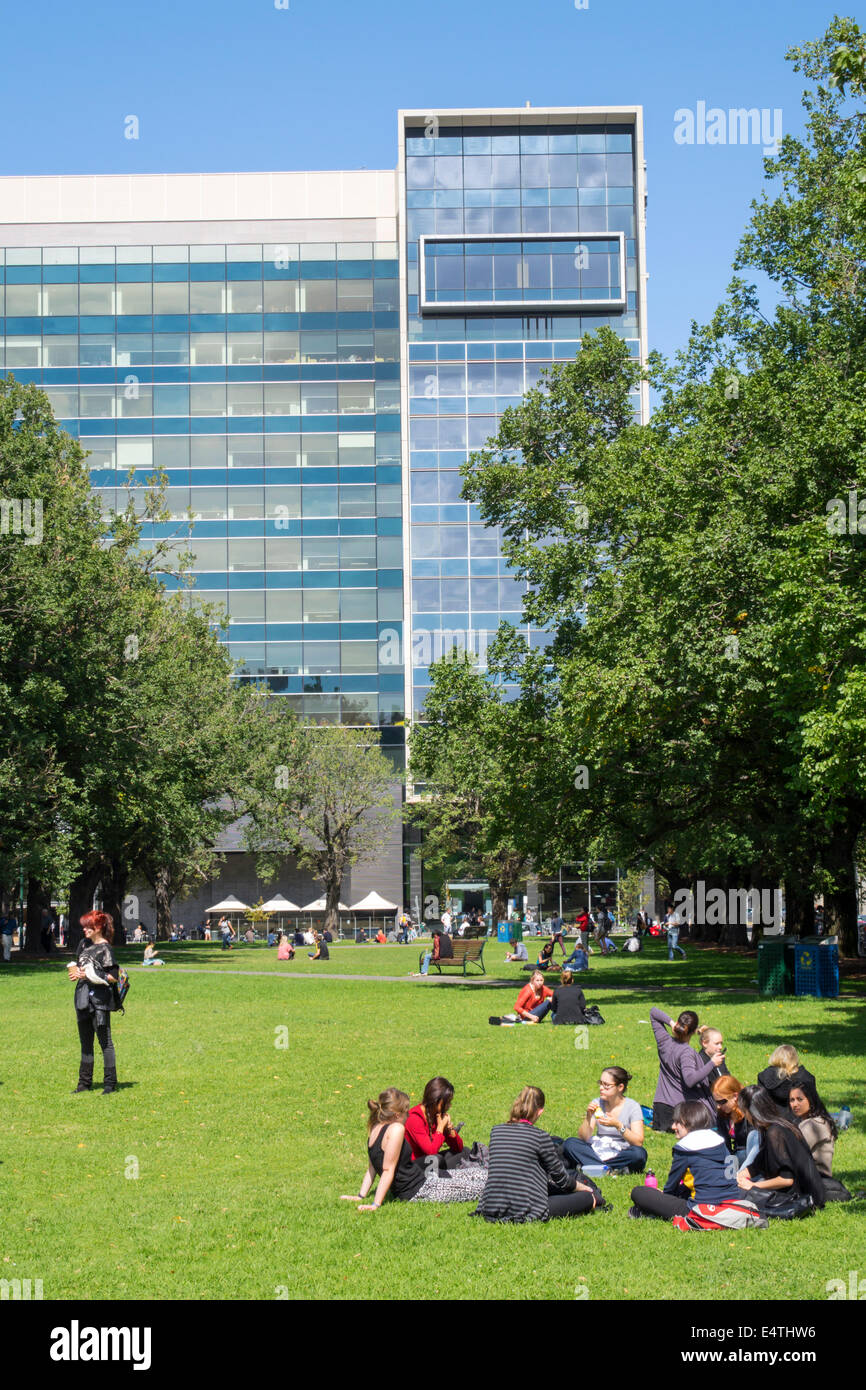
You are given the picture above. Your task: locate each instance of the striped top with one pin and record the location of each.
(523, 1160)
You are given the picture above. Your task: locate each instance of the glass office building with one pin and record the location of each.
(308, 358)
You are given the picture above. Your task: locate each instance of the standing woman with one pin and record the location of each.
(95, 973)
(682, 1075)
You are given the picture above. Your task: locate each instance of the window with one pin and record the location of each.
(460, 273)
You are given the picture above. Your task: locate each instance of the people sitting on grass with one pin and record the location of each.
(285, 948)
(682, 1075)
(321, 952)
(731, 1123)
(428, 1125)
(820, 1132)
(784, 1165)
(518, 953)
(578, 958)
(150, 957)
(711, 1042)
(545, 960)
(612, 1130)
(533, 1002)
(568, 1004)
(390, 1160)
(381, 938)
(526, 1178)
(442, 949)
(781, 1073)
(701, 1192)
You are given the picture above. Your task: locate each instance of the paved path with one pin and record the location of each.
(491, 981)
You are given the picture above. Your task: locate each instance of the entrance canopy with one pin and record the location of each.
(321, 906)
(373, 903)
(279, 904)
(229, 904)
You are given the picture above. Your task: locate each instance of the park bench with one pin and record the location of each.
(465, 953)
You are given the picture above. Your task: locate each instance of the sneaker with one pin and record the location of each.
(495, 1020)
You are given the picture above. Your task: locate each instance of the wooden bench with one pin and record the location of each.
(465, 953)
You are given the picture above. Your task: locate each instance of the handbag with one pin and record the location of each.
(592, 1015)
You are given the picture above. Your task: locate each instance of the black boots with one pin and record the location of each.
(110, 1083)
(85, 1079)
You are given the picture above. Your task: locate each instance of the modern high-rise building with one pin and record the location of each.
(309, 357)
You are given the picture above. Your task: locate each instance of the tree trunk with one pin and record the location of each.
(333, 886)
(799, 906)
(114, 882)
(38, 896)
(499, 896)
(162, 896)
(840, 905)
(81, 891)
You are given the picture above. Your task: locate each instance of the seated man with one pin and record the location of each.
(443, 949)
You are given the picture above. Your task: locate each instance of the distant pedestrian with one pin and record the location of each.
(8, 928)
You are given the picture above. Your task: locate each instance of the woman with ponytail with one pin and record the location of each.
(682, 1075)
(390, 1160)
(95, 974)
(525, 1169)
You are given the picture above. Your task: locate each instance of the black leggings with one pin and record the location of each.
(86, 1030)
(651, 1202)
(570, 1204)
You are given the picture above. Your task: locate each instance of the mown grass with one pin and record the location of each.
(242, 1145)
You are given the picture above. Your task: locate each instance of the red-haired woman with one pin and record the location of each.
(95, 973)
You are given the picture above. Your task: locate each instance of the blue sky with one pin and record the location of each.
(241, 84)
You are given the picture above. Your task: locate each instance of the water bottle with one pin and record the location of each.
(650, 1180)
(845, 1117)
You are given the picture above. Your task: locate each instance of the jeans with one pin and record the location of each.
(541, 1010)
(425, 964)
(629, 1160)
(578, 958)
(753, 1143)
(673, 939)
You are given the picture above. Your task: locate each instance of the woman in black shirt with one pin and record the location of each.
(95, 973)
(569, 1004)
(390, 1159)
(784, 1160)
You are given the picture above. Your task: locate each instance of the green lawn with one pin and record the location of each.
(242, 1147)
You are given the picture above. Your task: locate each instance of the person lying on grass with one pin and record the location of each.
(533, 1002)
(701, 1192)
(390, 1160)
(783, 1161)
(612, 1131)
(525, 1170)
(820, 1132)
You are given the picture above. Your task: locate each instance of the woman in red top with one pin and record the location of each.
(428, 1125)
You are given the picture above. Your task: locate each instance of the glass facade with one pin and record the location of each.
(518, 240)
(264, 381)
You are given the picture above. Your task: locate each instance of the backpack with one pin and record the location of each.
(121, 989)
(592, 1014)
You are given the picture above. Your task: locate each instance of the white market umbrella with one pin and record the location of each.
(373, 903)
(229, 904)
(321, 906)
(279, 904)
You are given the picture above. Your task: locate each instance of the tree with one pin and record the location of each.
(121, 731)
(323, 794)
(710, 624)
(480, 756)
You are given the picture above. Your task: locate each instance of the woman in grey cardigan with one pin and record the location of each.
(682, 1074)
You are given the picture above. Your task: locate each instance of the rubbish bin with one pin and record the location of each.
(772, 973)
(517, 931)
(503, 931)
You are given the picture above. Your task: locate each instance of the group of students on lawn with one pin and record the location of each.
(742, 1154)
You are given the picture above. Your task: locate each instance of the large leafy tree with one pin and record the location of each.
(478, 758)
(710, 625)
(121, 732)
